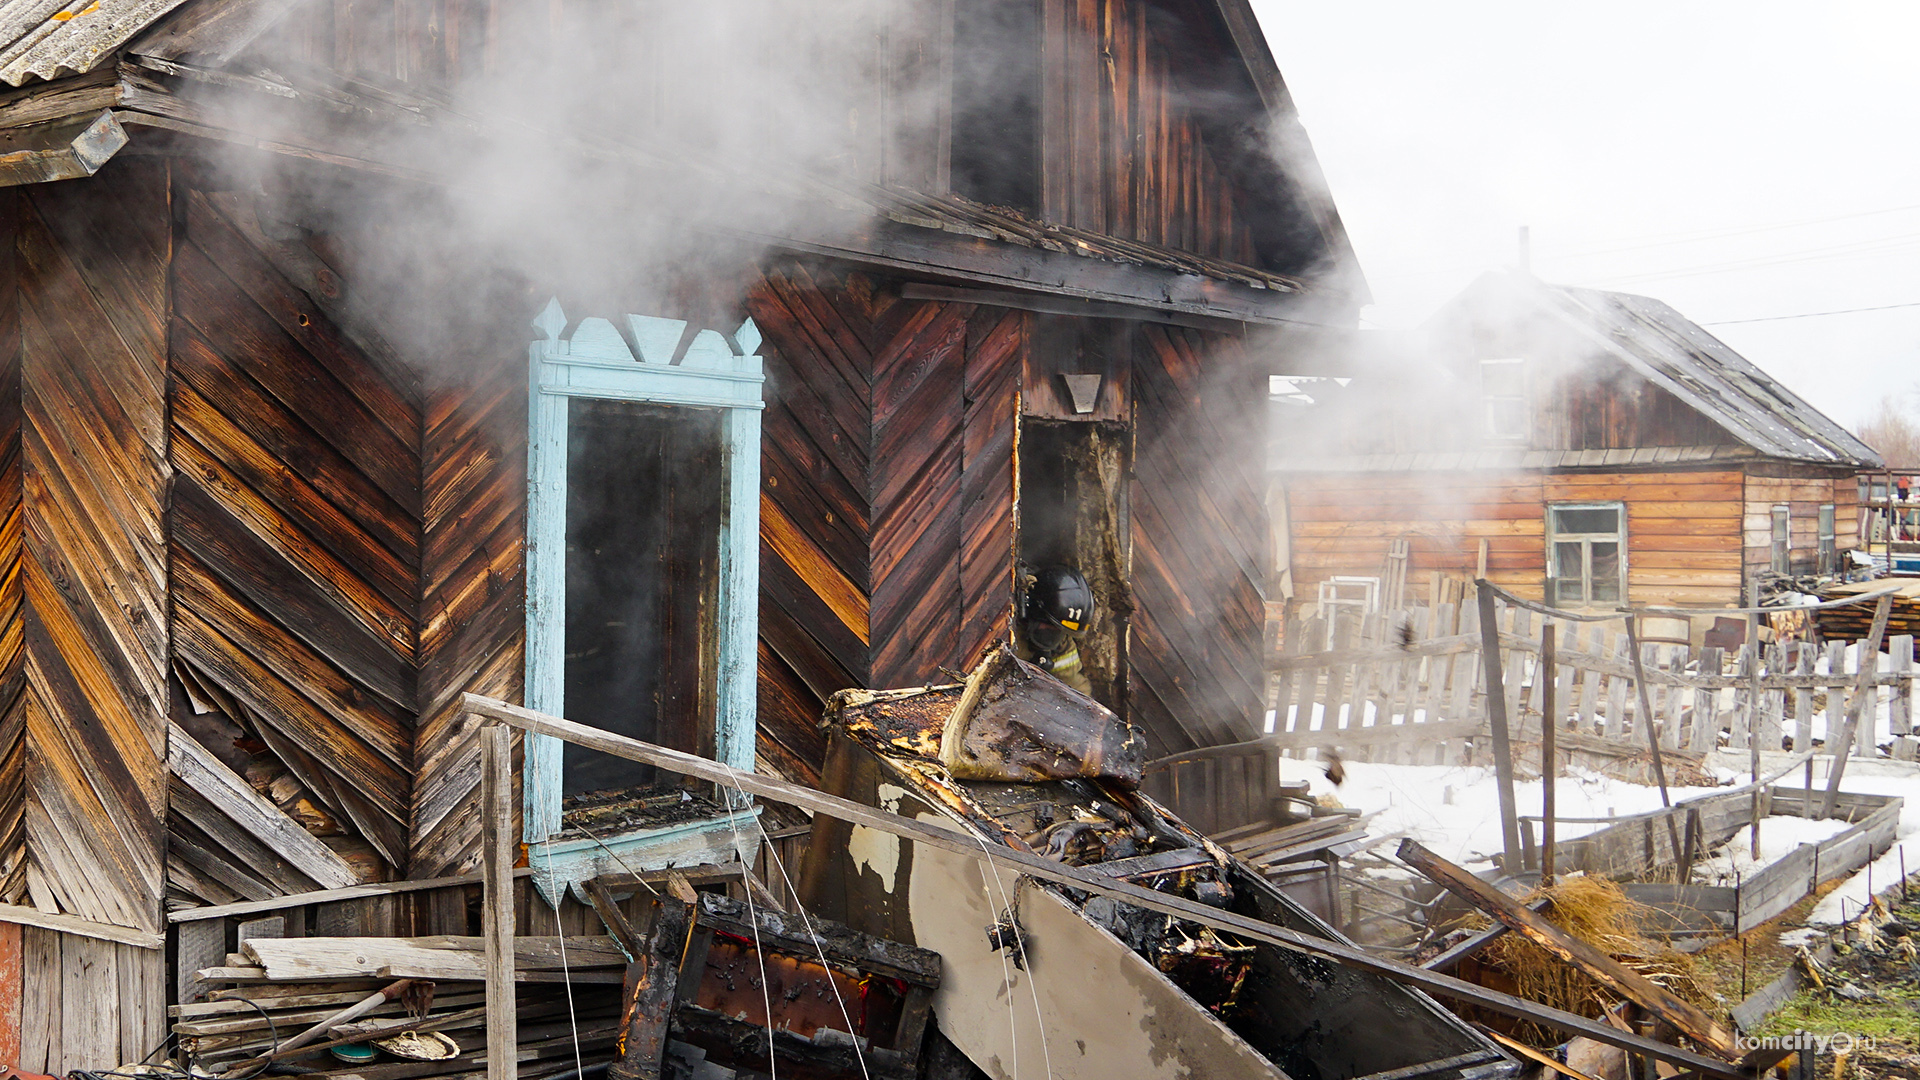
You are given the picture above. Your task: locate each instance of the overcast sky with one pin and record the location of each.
(1737, 160)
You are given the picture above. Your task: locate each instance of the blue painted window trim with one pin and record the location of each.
(597, 361)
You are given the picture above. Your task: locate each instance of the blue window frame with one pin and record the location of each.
(598, 362)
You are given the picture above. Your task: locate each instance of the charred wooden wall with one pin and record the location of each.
(1200, 553)
(886, 515)
(1683, 528)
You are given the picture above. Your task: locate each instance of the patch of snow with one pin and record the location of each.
(1806, 935)
(1779, 836)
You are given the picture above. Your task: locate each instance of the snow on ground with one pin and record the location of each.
(1455, 809)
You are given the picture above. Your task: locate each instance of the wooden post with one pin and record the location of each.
(1862, 693)
(496, 863)
(1753, 708)
(1549, 761)
(1646, 721)
(1497, 718)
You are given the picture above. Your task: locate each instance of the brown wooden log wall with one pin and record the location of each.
(1803, 492)
(1200, 562)
(1683, 528)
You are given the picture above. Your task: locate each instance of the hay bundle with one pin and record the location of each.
(1596, 911)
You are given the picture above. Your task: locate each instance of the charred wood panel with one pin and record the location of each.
(1198, 535)
(296, 526)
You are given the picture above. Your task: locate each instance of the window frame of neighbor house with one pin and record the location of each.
(1504, 416)
(1828, 539)
(599, 363)
(1780, 538)
(1564, 529)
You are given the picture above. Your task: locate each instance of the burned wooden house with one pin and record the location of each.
(1587, 448)
(293, 452)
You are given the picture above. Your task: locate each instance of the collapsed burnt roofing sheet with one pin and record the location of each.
(1700, 369)
(45, 39)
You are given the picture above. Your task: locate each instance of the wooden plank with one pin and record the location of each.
(439, 958)
(1074, 877)
(1841, 746)
(42, 967)
(1900, 702)
(18, 915)
(263, 820)
(1688, 1019)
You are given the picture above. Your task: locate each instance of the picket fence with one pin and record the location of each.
(1412, 689)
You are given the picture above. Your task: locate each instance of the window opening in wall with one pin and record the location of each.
(1586, 553)
(1503, 392)
(1828, 547)
(644, 501)
(1782, 523)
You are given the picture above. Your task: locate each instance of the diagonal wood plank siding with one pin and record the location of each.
(1198, 534)
(473, 578)
(887, 508)
(296, 524)
(93, 567)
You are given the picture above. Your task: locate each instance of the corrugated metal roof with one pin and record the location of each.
(1703, 371)
(45, 39)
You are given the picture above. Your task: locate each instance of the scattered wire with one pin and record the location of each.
(273, 1038)
(566, 975)
(759, 953)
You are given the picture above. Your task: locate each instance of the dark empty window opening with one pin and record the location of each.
(1072, 512)
(645, 496)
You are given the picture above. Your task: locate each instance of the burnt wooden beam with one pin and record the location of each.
(653, 981)
(1059, 305)
(999, 264)
(503, 713)
(1686, 1018)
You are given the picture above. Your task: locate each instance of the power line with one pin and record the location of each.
(1812, 314)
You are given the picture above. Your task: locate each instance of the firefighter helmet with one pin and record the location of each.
(1059, 595)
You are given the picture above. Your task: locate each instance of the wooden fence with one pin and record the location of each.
(1414, 695)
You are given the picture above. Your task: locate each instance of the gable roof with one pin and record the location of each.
(1681, 357)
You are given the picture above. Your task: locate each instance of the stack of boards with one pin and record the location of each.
(274, 989)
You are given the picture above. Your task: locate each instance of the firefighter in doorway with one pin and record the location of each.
(1057, 609)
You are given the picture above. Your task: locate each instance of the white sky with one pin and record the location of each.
(1683, 131)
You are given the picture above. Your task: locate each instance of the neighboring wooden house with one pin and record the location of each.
(1589, 448)
(264, 523)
